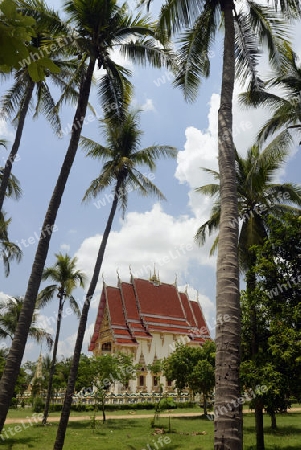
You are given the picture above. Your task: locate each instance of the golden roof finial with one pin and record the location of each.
(154, 278)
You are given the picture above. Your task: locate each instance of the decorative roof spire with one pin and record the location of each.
(155, 278)
(118, 277)
(176, 281)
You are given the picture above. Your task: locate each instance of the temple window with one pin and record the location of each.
(106, 347)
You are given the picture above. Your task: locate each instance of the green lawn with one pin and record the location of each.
(136, 434)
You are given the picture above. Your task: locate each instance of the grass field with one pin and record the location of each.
(137, 434)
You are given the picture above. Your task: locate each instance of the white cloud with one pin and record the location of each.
(145, 239)
(65, 247)
(148, 105)
(3, 296)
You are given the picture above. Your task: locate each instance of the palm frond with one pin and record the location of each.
(146, 51)
(74, 306)
(12, 100)
(138, 182)
(270, 28)
(210, 226)
(283, 117)
(148, 155)
(13, 188)
(9, 252)
(175, 14)
(45, 295)
(246, 49)
(194, 53)
(46, 105)
(209, 189)
(105, 179)
(114, 91)
(94, 150)
(39, 334)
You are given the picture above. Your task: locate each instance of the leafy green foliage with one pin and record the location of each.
(192, 368)
(15, 31)
(277, 365)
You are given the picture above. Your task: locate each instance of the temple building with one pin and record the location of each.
(146, 318)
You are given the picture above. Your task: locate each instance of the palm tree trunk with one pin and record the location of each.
(273, 421)
(258, 405)
(61, 432)
(103, 400)
(228, 417)
(16, 144)
(259, 424)
(11, 371)
(53, 362)
(205, 403)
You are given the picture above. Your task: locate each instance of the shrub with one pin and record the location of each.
(13, 403)
(168, 403)
(38, 405)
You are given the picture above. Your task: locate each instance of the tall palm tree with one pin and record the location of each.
(10, 310)
(66, 278)
(102, 26)
(46, 59)
(285, 107)
(245, 28)
(123, 158)
(258, 198)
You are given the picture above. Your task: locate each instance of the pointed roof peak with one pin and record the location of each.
(155, 278)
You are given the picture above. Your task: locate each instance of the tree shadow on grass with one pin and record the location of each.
(110, 423)
(10, 443)
(280, 431)
(277, 447)
(200, 418)
(170, 447)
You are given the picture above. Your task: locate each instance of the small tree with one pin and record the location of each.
(107, 370)
(192, 368)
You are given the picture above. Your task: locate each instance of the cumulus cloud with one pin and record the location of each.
(3, 296)
(146, 239)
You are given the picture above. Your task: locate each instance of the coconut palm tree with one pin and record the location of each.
(258, 197)
(10, 310)
(286, 107)
(122, 160)
(66, 278)
(246, 27)
(47, 58)
(102, 26)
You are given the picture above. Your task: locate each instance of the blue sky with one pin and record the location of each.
(151, 232)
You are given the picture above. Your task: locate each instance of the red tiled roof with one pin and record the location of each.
(141, 307)
(159, 299)
(198, 314)
(99, 317)
(188, 309)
